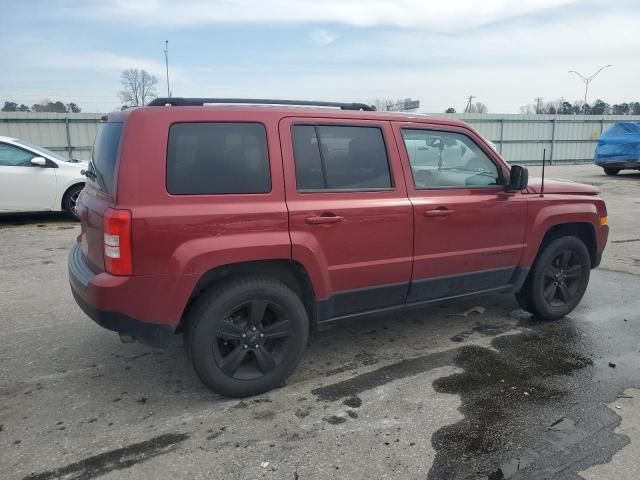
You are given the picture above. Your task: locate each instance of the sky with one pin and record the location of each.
(503, 52)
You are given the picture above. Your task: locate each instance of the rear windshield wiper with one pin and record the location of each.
(89, 172)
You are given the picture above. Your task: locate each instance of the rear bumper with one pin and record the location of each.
(622, 165)
(108, 300)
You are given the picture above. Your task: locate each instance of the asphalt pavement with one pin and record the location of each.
(447, 392)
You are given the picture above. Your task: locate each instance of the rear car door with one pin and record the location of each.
(469, 232)
(350, 219)
(23, 186)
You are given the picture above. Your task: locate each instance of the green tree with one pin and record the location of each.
(23, 108)
(73, 108)
(565, 108)
(49, 106)
(10, 107)
(600, 108)
(620, 109)
(635, 108)
(450, 110)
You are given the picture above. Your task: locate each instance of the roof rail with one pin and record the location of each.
(198, 102)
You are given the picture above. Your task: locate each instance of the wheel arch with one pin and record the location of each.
(585, 231)
(290, 272)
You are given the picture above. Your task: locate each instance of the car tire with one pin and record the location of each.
(247, 336)
(70, 200)
(611, 171)
(558, 279)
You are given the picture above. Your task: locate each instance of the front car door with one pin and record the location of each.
(350, 219)
(469, 232)
(23, 186)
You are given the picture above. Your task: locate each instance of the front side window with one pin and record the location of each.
(329, 157)
(11, 156)
(217, 158)
(448, 159)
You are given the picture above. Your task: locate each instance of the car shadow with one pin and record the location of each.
(128, 373)
(20, 219)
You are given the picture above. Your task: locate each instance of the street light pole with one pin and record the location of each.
(166, 61)
(587, 81)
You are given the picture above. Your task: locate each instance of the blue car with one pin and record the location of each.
(619, 148)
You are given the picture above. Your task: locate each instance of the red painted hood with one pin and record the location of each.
(561, 186)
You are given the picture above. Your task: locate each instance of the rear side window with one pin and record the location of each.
(103, 155)
(217, 158)
(330, 157)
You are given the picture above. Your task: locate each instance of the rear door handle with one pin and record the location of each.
(439, 212)
(321, 219)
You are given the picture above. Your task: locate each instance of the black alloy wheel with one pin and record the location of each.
(558, 279)
(246, 336)
(562, 278)
(251, 340)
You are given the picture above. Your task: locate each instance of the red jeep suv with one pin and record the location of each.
(245, 226)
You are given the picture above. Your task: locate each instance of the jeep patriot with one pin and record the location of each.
(245, 226)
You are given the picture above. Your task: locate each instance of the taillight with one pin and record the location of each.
(117, 242)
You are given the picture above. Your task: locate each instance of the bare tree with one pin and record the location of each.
(383, 104)
(477, 107)
(138, 87)
(528, 109)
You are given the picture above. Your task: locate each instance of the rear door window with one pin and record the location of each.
(104, 155)
(217, 158)
(332, 157)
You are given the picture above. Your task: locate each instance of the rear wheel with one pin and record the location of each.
(611, 171)
(558, 279)
(247, 337)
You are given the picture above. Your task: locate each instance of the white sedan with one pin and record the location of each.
(33, 179)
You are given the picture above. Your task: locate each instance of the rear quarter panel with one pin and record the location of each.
(190, 234)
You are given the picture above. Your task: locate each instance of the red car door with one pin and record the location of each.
(469, 232)
(350, 221)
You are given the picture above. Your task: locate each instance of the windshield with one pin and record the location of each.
(40, 149)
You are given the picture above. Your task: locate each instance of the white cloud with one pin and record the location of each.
(505, 64)
(436, 15)
(323, 37)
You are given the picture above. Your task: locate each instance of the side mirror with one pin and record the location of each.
(518, 180)
(39, 161)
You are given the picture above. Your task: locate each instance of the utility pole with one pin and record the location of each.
(587, 81)
(467, 109)
(538, 105)
(166, 61)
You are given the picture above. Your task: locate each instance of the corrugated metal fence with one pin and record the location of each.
(70, 134)
(519, 138)
(523, 138)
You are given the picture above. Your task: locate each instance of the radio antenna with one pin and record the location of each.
(544, 157)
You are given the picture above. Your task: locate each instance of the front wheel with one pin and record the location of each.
(70, 202)
(247, 337)
(611, 171)
(558, 279)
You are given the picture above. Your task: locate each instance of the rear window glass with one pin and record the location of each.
(103, 155)
(217, 158)
(331, 157)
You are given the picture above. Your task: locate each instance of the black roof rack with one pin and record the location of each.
(198, 102)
